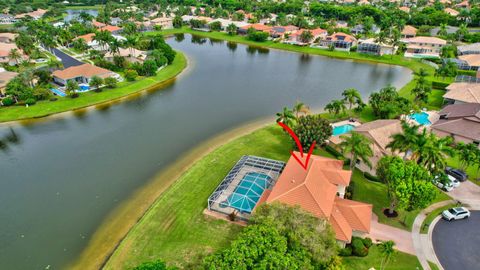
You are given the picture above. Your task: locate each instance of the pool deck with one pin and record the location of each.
(433, 117)
(336, 138)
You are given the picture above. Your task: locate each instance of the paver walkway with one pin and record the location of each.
(403, 240)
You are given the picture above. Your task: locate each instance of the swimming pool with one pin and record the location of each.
(248, 192)
(421, 118)
(83, 88)
(58, 92)
(339, 130)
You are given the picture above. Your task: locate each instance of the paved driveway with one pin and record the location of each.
(468, 193)
(67, 60)
(381, 232)
(456, 243)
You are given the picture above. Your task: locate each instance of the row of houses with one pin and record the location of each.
(10, 19)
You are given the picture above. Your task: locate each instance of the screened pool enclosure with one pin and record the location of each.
(244, 185)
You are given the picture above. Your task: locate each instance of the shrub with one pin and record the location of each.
(312, 128)
(439, 85)
(30, 101)
(345, 252)
(349, 191)
(8, 101)
(110, 82)
(371, 177)
(330, 149)
(358, 248)
(367, 242)
(131, 75)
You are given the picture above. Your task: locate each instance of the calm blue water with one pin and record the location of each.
(339, 130)
(421, 118)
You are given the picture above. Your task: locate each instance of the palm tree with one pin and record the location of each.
(15, 55)
(130, 43)
(114, 47)
(71, 88)
(286, 116)
(335, 106)
(300, 107)
(433, 154)
(443, 30)
(466, 154)
(387, 251)
(53, 63)
(462, 31)
(405, 141)
(358, 146)
(351, 96)
(95, 83)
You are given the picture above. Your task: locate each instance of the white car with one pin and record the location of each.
(456, 213)
(449, 186)
(455, 183)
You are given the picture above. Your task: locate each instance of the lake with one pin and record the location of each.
(59, 178)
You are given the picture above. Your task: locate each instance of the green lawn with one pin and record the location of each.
(84, 7)
(473, 172)
(401, 261)
(432, 215)
(45, 108)
(433, 266)
(175, 229)
(376, 194)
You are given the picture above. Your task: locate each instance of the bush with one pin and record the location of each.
(30, 101)
(367, 242)
(330, 149)
(349, 191)
(312, 128)
(110, 82)
(358, 248)
(439, 85)
(131, 75)
(345, 252)
(8, 101)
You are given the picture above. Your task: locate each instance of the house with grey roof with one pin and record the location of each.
(473, 48)
(460, 121)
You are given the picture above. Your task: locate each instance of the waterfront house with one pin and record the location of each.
(359, 29)
(462, 92)
(7, 37)
(460, 121)
(225, 23)
(163, 22)
(256, 26)
(473, 48)
(82, 74)
(281, 31)
(5, 77)
(424, 46)
(131, 55)
(320, 190)
(36, 14)
(409, 31)
(371, 46)
(7, 19)
(339, 41)
(294, 38)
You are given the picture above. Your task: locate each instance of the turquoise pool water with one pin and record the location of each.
(339, 130)
(421, 118)
(248, 192)
(58, 92)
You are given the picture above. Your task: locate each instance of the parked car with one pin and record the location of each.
(448, 185)
(456, 213)
(458, 174)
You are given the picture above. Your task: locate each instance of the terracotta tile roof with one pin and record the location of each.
(409, 30)
(10, 36)
(464, 92)
(110, 28)
(315, 191)
(85, 70)
(258, 27)
(428, 40)
(451, 11)
(5, 77)
(405, 9)
(472, 60)
(315, 32)
(342, 36)
(98, 24)
(5, 48)
(88, 37)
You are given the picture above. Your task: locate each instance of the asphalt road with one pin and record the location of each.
(457, 243)
(67, 60)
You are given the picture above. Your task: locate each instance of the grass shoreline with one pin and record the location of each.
(90, 99)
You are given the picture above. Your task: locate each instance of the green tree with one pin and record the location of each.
(95, 83)
(352, 96)
(387, 251)
(110, 82)
(310, 128)
(306, 36)
(215, 26)
(408, 184)
(71, 88)
(432, 152)
(387, 104)
(15, 56)
(300, 107)
(155, 265)
(286, 116)
(462, 31)
(467, 153)
(406, 141)
(335, 107)
(177, 22)
(301, 228)
(357, 146)
(232, 29)
(131, 74)
(255, 35)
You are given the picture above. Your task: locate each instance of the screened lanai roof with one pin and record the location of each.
(244, 185)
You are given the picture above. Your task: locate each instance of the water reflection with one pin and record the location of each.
(214, 41)
(232, 46)
(255, 49)
(179, 37)
(198, 40)
(8, 139)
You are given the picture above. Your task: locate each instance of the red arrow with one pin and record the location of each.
(299, 146)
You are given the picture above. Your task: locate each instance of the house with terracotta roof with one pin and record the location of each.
(462, 92)
(463, 4)
(98, 24)
(5, 77)
(36, 14)
(164, 22)
(82, 74)
(5, 49)
(470, 61)
(7, 37)
(294, 38)
(256, 26)
(131, 55)
(460, 121)
(420, 47)
(409, 31)
(339, 41)
(320, 190)
(451, 12)
(281, 31)
(115, 30)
